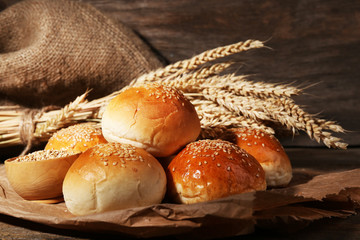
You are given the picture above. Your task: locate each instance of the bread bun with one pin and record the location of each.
(39, 175)
(113, 176)
(212, 169)
(156, 118)
(76, 138)
(266, 149)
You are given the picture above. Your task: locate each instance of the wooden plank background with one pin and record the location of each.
(313, 42)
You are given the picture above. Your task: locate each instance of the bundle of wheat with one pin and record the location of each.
(221, 100)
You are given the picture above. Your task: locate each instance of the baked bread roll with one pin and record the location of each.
(212, 169)
(113, 176)
(39, 175)
(269, 152)
(76, 138)
(156, 118)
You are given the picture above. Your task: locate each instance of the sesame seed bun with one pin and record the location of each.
(156, 118)
(269, 152)
(113, 176)
(76, 138)
(212, 169)
(39, 175)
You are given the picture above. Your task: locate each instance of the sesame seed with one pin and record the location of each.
(218, 164)
(42, 155)
(228, 168)
(199, 163)
(105, 163)
(115, 163)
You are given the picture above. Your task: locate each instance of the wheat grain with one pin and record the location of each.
(238, 84)
(222, 101)
(180, 67)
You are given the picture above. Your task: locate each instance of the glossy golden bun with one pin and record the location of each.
(156, 118)
(39, 175)
(76, 138)
(212, 169)
(266, 149)
(113, 176)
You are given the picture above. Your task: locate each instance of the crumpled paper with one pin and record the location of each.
(310, 196)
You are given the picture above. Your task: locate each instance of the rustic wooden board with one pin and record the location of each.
(313, 42)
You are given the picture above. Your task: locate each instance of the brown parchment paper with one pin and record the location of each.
(306, 199)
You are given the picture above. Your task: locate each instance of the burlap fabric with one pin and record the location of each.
(54, 50)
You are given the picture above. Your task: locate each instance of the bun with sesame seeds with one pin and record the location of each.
(156, 118)
(38, 176)
(211, 169)
(113, 176)
(268, 151)
(76, 138)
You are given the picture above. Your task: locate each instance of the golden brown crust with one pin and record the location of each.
(39, 175)
(76, 138)
(156, 118)
(113, 176)
(211, 169)
(268, 151)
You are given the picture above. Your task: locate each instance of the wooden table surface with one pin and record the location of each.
(321, 159)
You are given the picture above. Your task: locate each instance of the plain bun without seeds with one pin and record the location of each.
(211, 169)
(113, 176)
(156, 118)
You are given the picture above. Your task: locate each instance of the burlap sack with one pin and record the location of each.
(53, 50)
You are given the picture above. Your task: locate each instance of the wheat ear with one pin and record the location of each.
(178, 68)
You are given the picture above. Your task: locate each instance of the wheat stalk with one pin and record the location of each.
(222, 101)
(181, 67)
